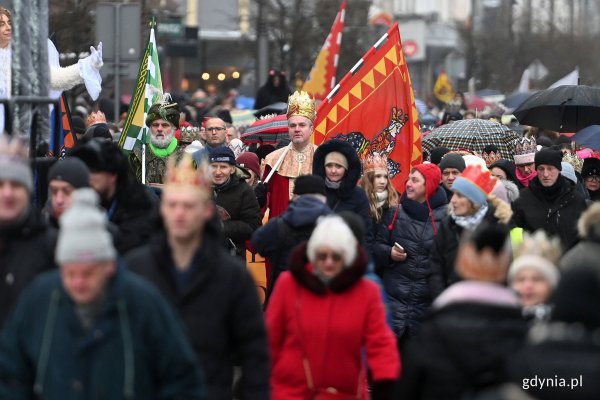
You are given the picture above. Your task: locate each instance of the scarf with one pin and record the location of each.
(470, 222)
(381, 198)
(167, 151)
(332, 185)
(525, 179)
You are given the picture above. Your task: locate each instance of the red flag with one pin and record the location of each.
(322, 75)
(373, 108)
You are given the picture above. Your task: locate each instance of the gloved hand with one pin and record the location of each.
(260, 191)
(96, 56)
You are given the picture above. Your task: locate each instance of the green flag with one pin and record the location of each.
(148, 90)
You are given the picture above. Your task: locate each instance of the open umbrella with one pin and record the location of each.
(588, 137)
(267, 131)
(515, 99)
(568, 108)
(474, 135)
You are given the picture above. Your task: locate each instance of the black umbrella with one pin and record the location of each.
(566, 108)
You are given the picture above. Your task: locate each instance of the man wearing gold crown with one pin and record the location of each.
(211, 289)
(283, 166)
(163, 121)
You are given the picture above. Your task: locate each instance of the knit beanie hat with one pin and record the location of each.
(331, 231)
(83, 236)
(548, 156)
(591, 166)
(221, 154)
(432, 175)
(452, 160)
(309, 184)
(540, 252)
(475, 184)
(437, 154)
(249, 160)
(337, 158)
(14, 165)
(71, 170)
(568, 172)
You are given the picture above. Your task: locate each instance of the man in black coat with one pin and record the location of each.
(26, 241)
(127, 202)
(213, 292)
(235, 200)
(550, 202)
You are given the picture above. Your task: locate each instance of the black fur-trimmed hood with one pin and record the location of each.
(354, 168)
(301, 271)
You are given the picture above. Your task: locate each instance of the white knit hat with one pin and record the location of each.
(83, 236)
(548, 270)
(331, 231)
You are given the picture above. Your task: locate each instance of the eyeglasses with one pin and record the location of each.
(215, 129)
(592, 178)
(322, 256)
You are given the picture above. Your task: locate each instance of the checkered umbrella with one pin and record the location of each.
(473, 135)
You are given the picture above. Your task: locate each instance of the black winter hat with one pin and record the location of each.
(548, 156)
(452, 160)
(78, 125)
(98, 131)
(221, 154)
(71, 170)
(437, 154)
(591, 166)
(309, 184)
(101, 155)
(577, 297)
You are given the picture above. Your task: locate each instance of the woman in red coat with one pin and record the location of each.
(322, 314)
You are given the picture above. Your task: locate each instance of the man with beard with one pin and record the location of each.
(163, 121)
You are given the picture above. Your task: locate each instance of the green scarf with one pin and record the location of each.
(166, 152)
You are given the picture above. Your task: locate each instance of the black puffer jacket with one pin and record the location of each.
(462, 348)
(238, 199)
(555, 210)
(443, 252)
(220, 309)
(349, 196)
(406, 282)
(26, 250)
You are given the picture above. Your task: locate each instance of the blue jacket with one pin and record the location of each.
(136, 349)
(406, 282)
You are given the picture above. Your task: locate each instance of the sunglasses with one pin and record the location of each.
(323, 256)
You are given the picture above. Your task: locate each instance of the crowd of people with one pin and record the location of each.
(476, 279)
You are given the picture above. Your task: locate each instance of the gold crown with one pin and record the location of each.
(375, 162)
(95, 117)
(300, 103)
(184, 175)
(189, 134)
(575, 161)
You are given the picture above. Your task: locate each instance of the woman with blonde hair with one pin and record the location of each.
(378, 188)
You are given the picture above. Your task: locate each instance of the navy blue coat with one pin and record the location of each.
(406, 282)
(136, 349)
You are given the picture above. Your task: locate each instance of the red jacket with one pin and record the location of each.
(336, 322)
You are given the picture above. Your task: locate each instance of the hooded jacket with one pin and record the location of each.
(349, 196)
(329, 326)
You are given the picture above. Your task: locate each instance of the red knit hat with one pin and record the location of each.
(432, 175)
(249, 160)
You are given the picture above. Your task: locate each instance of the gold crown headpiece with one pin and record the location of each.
(300, 103)
(184, 175)
(189, 134)
(575, 161)
(374, 162)
(95, 117)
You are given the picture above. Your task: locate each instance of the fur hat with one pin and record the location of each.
(484, 254)
(164, 110)
(83, 234)
(331, 231)
(591, 166)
